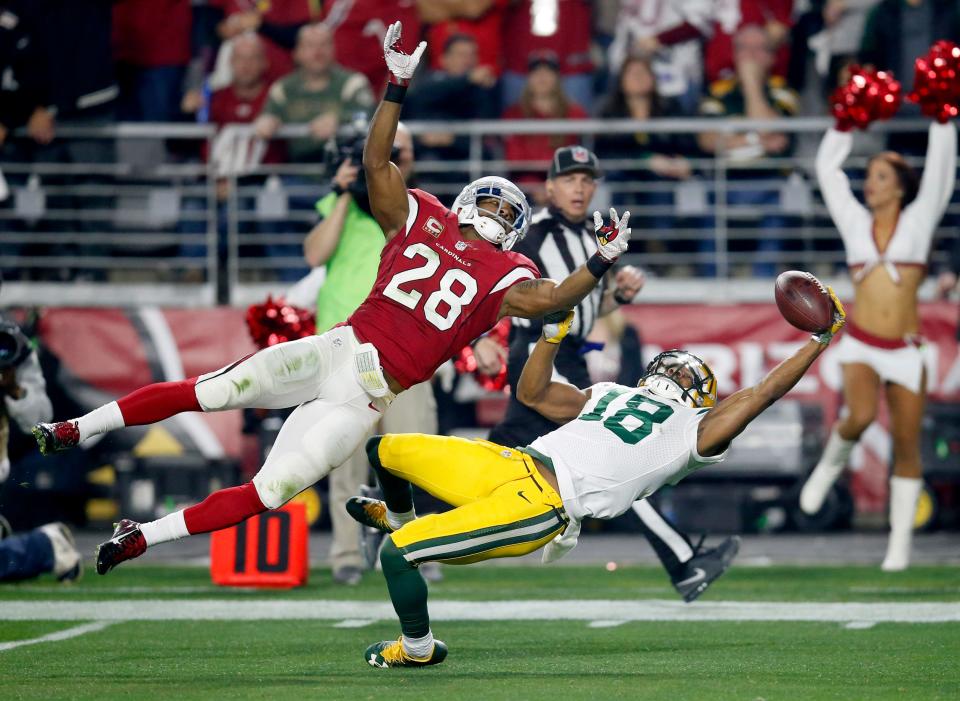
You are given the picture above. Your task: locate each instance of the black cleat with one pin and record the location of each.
(704, 567)
(127, 543)
(369, 512)
(55, 437)
(390, 653)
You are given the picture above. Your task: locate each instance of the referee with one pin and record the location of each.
(559, 240)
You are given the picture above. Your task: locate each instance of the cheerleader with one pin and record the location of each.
(887, 245)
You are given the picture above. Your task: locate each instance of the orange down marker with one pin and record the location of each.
(269, 550)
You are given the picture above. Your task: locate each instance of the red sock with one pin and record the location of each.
(159, 401)
(224, 508)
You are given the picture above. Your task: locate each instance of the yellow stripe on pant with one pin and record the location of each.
(503, 507)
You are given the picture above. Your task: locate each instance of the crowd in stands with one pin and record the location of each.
(276, 62)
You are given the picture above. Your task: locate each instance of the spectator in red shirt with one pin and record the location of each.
(151, 57)
(542, 98)
(242, 100)
(569, 39)
(358, 30)
(238, 103)
(481, 19)
(276, 21)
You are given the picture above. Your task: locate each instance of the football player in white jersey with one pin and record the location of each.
(615, 445)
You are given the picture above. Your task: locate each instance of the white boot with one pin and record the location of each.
(904, 492)
(834, 459)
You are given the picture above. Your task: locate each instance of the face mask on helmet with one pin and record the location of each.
(486, 220)
(681, 377)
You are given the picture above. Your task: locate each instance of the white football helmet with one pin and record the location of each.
(490, 225)
(668, 373)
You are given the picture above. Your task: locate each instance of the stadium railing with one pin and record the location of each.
(131, 214)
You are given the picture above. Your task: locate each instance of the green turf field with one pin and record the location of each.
(142, 633)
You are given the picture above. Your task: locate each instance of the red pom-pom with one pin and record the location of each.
(868, 96)
(466, 363)
(275, 322)
(936, 81)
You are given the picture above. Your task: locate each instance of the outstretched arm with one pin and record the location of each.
(531, 299)
(725, 422)
(388, 191)
(939, 171)
(557, 401)
(844, 208)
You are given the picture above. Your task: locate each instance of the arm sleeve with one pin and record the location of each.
(844, 208)
(939, 172)
(35, 406)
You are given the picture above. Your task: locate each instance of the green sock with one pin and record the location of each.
(407, 590)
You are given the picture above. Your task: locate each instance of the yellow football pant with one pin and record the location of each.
(504, 508)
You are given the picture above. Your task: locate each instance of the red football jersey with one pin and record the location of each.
(435, 292)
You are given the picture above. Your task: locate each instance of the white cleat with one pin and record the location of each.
(817, 487)
(898, 552)
(892, 564)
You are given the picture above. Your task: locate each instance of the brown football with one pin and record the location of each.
(803, 301)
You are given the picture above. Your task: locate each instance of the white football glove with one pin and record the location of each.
(613, 238)
(400, 64)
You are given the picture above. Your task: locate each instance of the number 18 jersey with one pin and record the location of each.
(624, 445)
(435, 292)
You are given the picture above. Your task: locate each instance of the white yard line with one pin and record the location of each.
(59, 635)
(860, 625)
(355, 623)
(538, 610)
(605, 624)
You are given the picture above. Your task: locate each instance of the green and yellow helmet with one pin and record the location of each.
(681, 377)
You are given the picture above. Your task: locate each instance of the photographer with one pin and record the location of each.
(49, 548)
(351, 259)
(348, 240)
(22, 387)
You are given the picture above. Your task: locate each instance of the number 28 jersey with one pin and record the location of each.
(435, 292)
(624, 445)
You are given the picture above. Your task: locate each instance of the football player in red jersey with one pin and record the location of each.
(445, 277)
